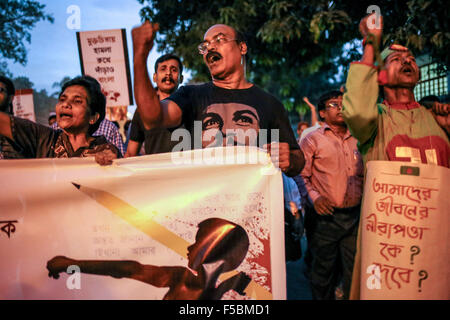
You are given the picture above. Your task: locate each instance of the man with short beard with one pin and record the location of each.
(168, 76)
(229, 103)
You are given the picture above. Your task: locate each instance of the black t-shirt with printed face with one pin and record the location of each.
(157, 140)
(233, 116)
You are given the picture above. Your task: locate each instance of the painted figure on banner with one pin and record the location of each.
(220, 246)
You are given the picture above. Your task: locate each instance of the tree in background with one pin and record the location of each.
(297, 48)
(17, 18)
(58, 86)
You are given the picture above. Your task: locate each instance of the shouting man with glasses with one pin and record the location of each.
(228, 103)
(333, 177)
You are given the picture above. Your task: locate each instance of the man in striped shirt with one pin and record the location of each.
(333, 176)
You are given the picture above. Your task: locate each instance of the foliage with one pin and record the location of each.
(58, 86)
(43, 102)
(17, 18)
(297, 48)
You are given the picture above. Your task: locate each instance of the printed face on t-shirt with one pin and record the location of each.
(229, 124)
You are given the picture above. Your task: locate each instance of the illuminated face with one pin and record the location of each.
(223, 56)
(402, 70)
(333, 112)
(236, 124)
(167, 76)
(72, 110)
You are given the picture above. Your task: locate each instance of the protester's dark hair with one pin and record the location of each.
(96, 98)
(9, 89)
(240, 37)
(327, 96)
(9, 85)
(166, 57)
(428, 101)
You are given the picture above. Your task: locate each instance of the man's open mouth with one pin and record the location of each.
(65, 115)
(213, 57)
(168, 80)
(407, 70)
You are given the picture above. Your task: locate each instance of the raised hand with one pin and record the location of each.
(369, 24)
(143, 37)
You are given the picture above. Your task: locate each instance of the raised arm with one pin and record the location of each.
(312, 107)
(153, 112)
(156, 276)
(362, 89)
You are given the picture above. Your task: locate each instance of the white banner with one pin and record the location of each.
(405, 231)
(23, 104)
(143, 228)
(104, 56)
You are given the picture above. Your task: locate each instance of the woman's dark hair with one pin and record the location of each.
(96, 98)
(9, 85)
(10, 90)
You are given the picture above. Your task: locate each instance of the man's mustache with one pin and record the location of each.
(213, 55)
(168, 78)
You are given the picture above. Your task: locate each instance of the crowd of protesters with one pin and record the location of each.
(323, 169)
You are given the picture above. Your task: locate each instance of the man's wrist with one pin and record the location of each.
(140, 55)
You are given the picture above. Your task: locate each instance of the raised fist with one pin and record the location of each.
(57, 265)
(372, 23)
(143, 37)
